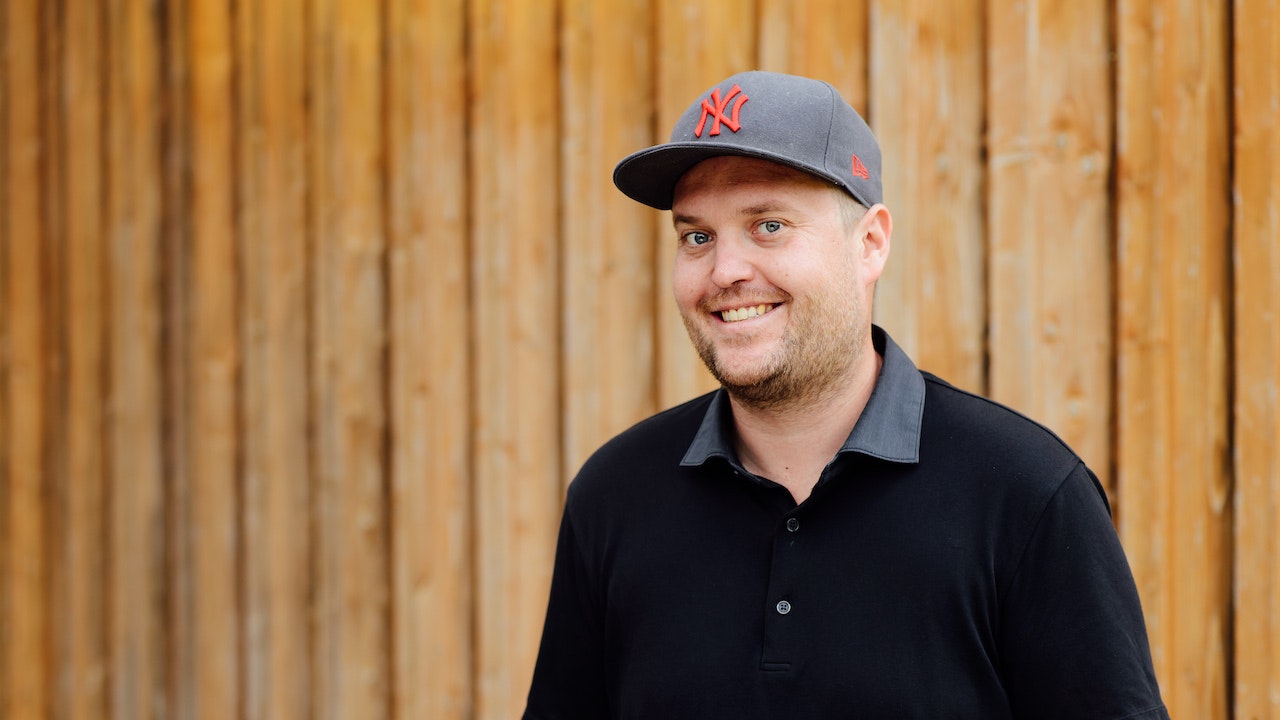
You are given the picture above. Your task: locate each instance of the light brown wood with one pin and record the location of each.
(824, 39)
(608, 364)
(6, 572)
(1049, 256)
(27, 378)
(81, 588)
(137, 543)
(430, 362)
(179, 437)
(514, 160)
(212, 368)
(277, 553)
(1172, 419)
(1257, 362)
(926, 111)
(353, 642)
(515, 255)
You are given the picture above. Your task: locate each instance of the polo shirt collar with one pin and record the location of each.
(888, 429)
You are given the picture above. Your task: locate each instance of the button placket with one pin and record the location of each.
(784, 621)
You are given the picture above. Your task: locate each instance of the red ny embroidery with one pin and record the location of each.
(859, 169)
(716, 111)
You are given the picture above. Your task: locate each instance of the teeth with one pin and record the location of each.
(745, 313)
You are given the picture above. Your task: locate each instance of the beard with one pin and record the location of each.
(812, 359)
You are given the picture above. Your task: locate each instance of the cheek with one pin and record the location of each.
(686, 283)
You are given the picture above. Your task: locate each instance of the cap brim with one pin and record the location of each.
(650, 175)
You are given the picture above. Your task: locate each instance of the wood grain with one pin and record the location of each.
(353, 593)
(1049, 255)
(27, 378)
(6, 484)
(926, 110)
(430, 361)
(516, 329)
(212, 369)
(136, 609)
(1172, 453)
(278, 548)
(81, 675)
(1257, 362)
(608, 363)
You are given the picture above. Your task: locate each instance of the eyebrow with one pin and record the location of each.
(763, 208)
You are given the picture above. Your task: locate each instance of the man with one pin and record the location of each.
(833, 533)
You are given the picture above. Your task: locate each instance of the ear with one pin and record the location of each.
(876, 228)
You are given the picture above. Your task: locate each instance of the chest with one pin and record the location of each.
(854, 602)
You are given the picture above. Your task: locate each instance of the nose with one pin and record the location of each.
(732, 264)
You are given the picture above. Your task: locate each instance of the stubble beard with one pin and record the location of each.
(815, 356)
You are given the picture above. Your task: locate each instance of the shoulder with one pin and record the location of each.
(970, 436)
(650, 448)
(969, 424)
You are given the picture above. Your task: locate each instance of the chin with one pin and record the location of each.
(742, 373)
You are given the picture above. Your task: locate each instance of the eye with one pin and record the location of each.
(771, 226)
(695, 238)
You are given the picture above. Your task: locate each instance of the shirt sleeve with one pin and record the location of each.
(1073, 640)
(568, 679)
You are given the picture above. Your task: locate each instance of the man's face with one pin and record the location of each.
(767, 278)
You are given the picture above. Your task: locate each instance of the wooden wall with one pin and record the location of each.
(309, 309)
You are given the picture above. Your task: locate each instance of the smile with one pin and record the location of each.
(745, 313)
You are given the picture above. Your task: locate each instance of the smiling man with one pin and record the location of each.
(833, 533)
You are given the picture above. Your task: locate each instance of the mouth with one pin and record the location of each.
(733, 315)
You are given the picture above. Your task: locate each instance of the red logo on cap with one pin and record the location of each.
(714, 106)
(859, 169)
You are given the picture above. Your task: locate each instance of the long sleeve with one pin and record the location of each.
(1074, 640)
(568, 680)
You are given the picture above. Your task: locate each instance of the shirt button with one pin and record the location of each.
(792, 524)
(783, 607)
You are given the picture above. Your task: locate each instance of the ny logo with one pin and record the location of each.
(714, 106)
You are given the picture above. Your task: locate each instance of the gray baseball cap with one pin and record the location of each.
(788, 119)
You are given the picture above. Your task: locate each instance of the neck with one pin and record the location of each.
(792, 444)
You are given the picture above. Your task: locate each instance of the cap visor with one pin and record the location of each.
(650, 175)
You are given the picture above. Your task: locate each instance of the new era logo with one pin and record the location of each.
(860, 170)
(714, 108)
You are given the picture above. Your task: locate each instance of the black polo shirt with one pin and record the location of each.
(955, 560)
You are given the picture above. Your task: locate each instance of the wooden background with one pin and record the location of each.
(309, 309)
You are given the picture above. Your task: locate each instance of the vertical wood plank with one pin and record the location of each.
(137, 539)
(1256, 612)
(51, 282)
(6, 485)
(178, 433)
(1172, 415)
(272, 143)
(211, 369)
(1049, 255)
(352, 637)
(27, 377)
(81, 685)
(699, 44)
(430, 361)
(824, 39)
(608, 371)
(515, 263)
(926, 109)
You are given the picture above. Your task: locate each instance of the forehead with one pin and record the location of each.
(732, 172)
